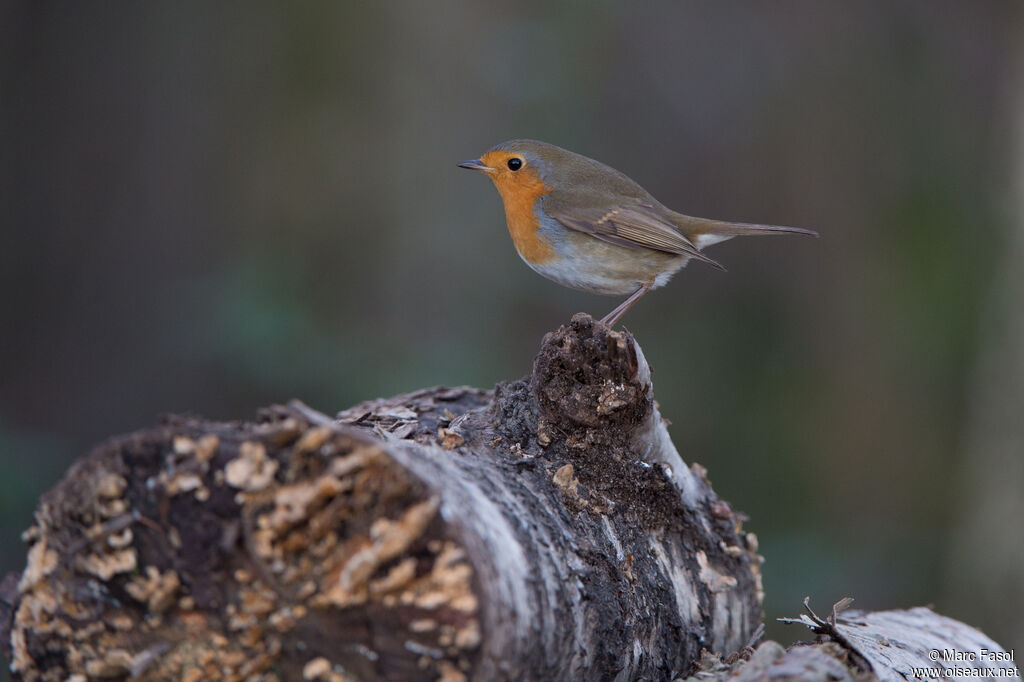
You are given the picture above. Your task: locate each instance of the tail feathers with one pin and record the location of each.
(703, 232)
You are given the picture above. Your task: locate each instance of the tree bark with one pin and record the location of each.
(547, 530)
(890, 646)
(894, 646)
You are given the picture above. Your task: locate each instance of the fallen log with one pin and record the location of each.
(546, 530)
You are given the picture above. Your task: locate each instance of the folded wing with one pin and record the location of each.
(636, 227)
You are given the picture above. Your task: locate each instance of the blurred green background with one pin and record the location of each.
(211, 207)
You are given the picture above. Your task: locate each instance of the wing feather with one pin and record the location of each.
(637, 226)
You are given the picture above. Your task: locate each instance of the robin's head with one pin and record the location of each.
(520, 167)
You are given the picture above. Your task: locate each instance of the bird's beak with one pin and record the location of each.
(475, 164)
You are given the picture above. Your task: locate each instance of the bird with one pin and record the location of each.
(587, 226)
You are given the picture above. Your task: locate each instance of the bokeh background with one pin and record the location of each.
(211, 207)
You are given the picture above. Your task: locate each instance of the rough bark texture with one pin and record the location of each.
(893, 643)
(887, 646)
(548, 530)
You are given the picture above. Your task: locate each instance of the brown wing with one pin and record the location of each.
(636, 227)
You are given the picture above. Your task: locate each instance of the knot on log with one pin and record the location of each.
(589, 403)
(586, 376)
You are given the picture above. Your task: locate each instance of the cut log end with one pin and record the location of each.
(219, 551)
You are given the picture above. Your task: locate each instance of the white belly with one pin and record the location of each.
(586, 276)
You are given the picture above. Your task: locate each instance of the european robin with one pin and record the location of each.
(587, 226)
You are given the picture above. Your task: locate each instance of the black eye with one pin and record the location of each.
(515, 163)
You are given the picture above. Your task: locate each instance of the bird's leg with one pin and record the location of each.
(614, 316)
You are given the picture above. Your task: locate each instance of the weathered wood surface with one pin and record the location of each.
(547, 530)
(894, 643)
(891, 646)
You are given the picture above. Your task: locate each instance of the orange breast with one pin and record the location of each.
(520, 192)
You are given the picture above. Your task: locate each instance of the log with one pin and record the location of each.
(547, 530)
(858, 646)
